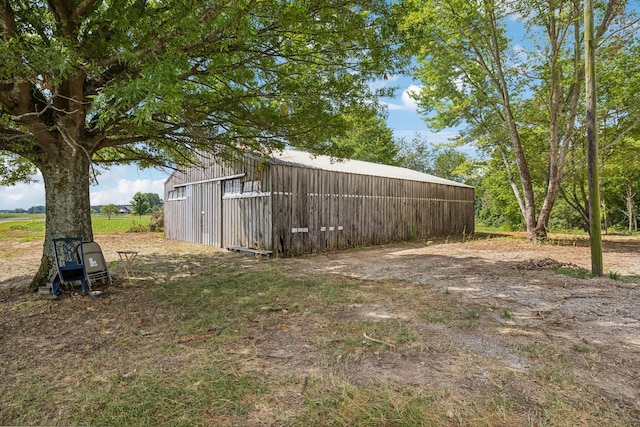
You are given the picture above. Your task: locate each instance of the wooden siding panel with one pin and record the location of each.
(327, 210)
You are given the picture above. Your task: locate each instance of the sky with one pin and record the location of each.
(118, 184)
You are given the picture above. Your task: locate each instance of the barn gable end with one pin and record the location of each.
(295, 203)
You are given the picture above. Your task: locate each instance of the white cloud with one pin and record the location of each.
(407, 103)
(124, 191)
(116, 185)
(431, 137)
(22, 196)
(382, 83)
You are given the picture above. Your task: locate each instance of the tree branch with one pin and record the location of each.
(82, 9)
(8, 135)
(63, 15)
(7, 20)
(612, 9)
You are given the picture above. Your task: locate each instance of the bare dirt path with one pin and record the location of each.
(519, 301)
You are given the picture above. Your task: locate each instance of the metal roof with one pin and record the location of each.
(304, 159)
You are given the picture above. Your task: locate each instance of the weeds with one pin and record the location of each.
(507, 313)
(577, 272)
(470, 320)
(580, 348)
(534, 349)
(436, 316)
(138, 228)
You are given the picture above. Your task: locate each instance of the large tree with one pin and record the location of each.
(443, 160)
(85, 82)
(367, 138)
(618, 128)
(140, 204)
(518, 100)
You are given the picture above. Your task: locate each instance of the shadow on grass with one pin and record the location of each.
(199, 340)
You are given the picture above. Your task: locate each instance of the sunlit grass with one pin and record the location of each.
(32, 226)
(118, 223)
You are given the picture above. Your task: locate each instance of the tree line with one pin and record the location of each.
(141, 204)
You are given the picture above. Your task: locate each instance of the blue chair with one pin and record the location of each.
(69, 264)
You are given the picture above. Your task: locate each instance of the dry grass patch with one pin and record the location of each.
(203, 337)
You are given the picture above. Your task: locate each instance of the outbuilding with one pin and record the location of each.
(294, 203)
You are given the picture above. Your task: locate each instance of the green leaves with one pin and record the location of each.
(175, 75)
(140, 204)
(517, 100)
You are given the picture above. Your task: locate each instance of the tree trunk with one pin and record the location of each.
(631, 209)
(68, 210)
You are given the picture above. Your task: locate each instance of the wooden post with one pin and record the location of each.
(592, 142)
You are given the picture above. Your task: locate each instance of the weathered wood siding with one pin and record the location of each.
(291, 209)
(316, 210)
(208, 216)
(247, 221)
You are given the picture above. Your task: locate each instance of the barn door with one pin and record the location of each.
(211, 214)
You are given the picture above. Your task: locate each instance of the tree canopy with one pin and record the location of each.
(140, 204)
(155, 202)
(86, 82)
(518, 101)
(109, 210)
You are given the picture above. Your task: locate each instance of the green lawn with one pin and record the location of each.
(32, 226)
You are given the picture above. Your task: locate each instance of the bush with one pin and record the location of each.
(157, 220)
(138, 228)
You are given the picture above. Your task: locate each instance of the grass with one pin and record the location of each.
(194, 394)
(201, 348)
(329, 401)
(576, 272)
(13, 215)
(581, 348)
(507, 313)
(118, 223)
(348, 340)
(21, 223)
(32, 226)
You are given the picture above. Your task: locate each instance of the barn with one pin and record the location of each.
(294, 203)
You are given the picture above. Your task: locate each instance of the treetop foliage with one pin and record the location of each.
(153, 82)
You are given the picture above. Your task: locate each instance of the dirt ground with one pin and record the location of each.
(511, 283)
(554, 310)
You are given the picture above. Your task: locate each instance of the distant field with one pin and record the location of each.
(13, 215)
(33, 225)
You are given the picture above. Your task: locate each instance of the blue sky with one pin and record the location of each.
(118, 184)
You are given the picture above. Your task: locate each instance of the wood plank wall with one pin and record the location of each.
(209, 217)
(302, 210)
(317, 210)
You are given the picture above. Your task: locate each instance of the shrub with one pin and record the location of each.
(157, 220)
(138, 228)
